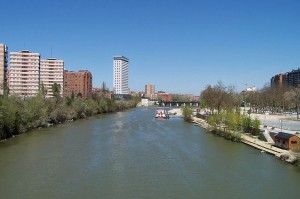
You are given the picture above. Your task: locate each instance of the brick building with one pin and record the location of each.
(166, 97)
(78, 82)
(286, 141)
(150, 91)
(291, 78)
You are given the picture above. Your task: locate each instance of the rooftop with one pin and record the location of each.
(284, 135)
(119, 57)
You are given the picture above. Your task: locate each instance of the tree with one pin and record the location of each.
(56, 90)
(187, 113)
(79, 95)
(72, 95)
(296, 153)
(104, 88)
(294, 97)
(42, 90)
(218, 97)
(208, 97)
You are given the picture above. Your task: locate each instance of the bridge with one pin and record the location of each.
(175, 103)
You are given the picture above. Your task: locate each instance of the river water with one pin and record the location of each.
(133, 155)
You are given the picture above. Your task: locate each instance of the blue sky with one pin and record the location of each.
(180, 46)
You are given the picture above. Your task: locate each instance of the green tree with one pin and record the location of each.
(8, 111)
(79, 95)
(255, 125)
(232, 120)
(56, 90)
(296, 153)
(42, 91)
(187, 113)
(18, 115)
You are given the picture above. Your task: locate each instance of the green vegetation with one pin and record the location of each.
(231, 124)
(19, 115)
(187, 113)
(296, 151)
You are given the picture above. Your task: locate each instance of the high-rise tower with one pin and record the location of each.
(120, 83)
(24, 73)
(150, 91)
(3, 68)
(52, 71)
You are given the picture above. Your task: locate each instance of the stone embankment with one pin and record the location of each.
(255, 142)
(249, 140)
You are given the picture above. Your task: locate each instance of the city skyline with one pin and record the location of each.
(178, 46)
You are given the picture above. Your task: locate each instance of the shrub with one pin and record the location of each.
(187, 113)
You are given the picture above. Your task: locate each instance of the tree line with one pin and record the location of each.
(18, 115)
(276, 98)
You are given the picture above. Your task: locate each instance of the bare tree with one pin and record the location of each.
(293, 97)
(219, 97)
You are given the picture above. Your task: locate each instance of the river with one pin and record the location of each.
(133, 155)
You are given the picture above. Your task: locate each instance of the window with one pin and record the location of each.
(293, 142)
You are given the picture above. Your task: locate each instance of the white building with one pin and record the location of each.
(52, 71)
(120, 83)
(3, 68)
(24, 73)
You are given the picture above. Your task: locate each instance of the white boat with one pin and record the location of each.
(161, 113)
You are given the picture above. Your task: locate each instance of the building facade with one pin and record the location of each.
(149, 91)
(52, 71)
(120, 75)
(24, 73)
(291, 78)
(286, 141)
(3, 68)
(78, 83)
(165, 97)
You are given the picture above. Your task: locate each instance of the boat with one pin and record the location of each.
(161, 113)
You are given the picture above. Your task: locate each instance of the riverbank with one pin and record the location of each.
(256, 143)
(248, 139)
(176, 111)
(18, 116)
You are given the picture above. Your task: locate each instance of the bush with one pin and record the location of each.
(187, 113)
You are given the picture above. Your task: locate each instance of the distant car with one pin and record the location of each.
(267, 112)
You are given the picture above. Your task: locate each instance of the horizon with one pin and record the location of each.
(180, 47)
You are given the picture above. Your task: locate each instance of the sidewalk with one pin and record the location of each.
(264, 146)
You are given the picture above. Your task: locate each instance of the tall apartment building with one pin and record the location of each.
(291, 78)
(78, 82)
(120, 75)
(150, 91)
(52, 71)
(3, 68)
(24, 73)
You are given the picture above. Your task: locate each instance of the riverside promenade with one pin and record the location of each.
(251, 141)
(246, 138)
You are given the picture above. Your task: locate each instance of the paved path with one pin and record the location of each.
(249, 140)
(264, 146)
